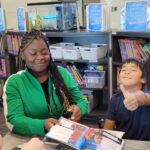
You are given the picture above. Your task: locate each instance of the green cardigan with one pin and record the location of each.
(25, 104)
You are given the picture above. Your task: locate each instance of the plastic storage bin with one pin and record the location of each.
(93, 52)
(71, 52)
(95, 81)
(57, 49)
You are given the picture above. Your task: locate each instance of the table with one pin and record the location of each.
(12, 140)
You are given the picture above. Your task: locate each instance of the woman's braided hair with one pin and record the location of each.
(58, 82)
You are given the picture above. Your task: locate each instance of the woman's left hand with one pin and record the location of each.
(76, 113)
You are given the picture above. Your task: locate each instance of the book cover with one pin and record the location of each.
(2, 20)
(81, 137)
(136, 15)
(94, 17)
(21, 19)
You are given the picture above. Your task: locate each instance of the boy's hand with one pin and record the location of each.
(132, 100)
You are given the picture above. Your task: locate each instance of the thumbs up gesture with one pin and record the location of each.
(132, 100)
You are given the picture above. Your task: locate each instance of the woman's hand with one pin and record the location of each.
(33, 144)
(49, 123)
(76, 113)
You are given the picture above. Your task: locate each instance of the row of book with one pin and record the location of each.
(2, 49)
(13, 42)
(134, 48)
(2, 68)
(74, 72)
(90, 76)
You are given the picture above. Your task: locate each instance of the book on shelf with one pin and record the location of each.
(2, 45)
(21, 19)
(133, 48)
(2, 20)
(13, 42)
(2, 68)
(81, 137)
(136, 15)
(98, 17)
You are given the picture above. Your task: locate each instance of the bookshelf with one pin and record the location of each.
(86, 38)
(3, 61)
(101, 95)
(13, 40)
(116, 53)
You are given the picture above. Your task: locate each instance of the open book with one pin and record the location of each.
(81, 137)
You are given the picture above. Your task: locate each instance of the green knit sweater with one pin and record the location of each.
(25, 104)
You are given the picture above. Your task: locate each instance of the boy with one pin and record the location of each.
(134, 123)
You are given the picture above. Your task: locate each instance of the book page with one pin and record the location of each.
(68, 132)
(60, 133)
(118, 134)
(82, 137)
(108, 144)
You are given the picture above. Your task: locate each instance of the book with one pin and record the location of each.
(98, 17)
(81, 137)
(21, 19)
(136, 15)
(2, 20)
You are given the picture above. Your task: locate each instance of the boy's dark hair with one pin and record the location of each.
(58, 82)
(136, 61)
(147, 72)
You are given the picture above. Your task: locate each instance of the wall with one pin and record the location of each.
(115, 12)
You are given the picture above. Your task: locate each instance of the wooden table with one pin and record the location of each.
(11, 140)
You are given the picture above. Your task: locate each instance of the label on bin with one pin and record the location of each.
(93, 74)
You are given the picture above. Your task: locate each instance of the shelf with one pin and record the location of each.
(132, 34)
(53, 2)
(99, 61)
(15, 32)
(74, 33)
(96, 89)
(117, 63)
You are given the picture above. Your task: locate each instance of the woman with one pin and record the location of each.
(36, 97)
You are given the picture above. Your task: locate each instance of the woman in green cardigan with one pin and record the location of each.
(35, 98)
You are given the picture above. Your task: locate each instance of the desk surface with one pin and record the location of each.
(12, 140)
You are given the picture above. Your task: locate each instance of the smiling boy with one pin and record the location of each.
(134, 123)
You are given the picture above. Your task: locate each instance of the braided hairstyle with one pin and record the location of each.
(57, 80)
